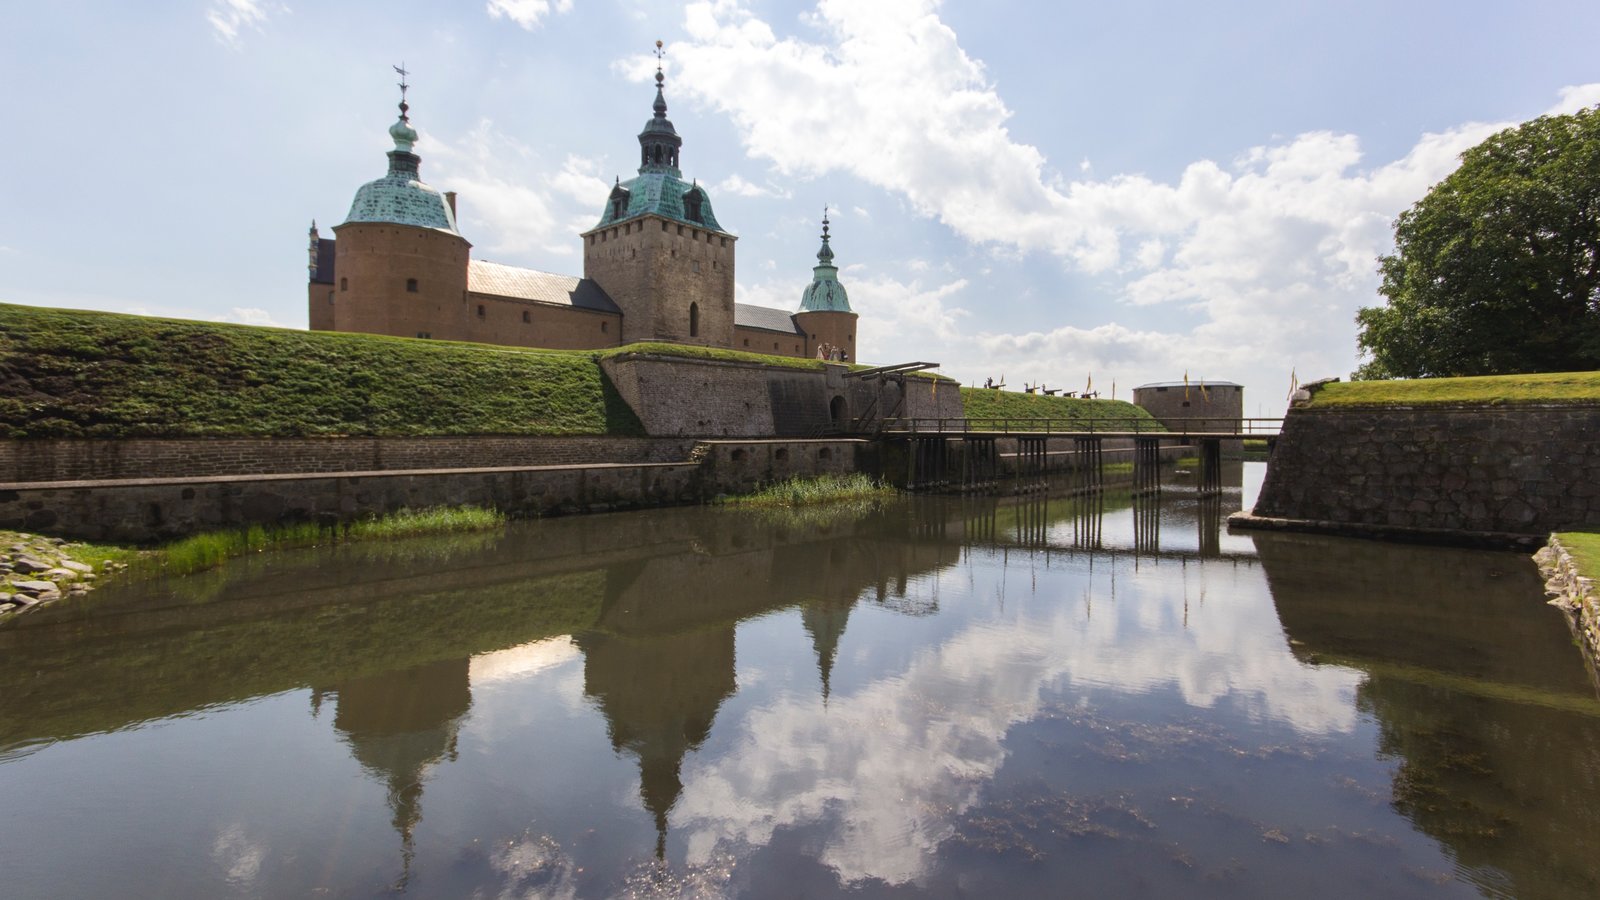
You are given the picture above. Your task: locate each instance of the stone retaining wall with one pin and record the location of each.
(81, 460)
(147, 509)
(1573, 592)
(1501, 475)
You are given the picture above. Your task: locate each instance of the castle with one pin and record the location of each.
(658, 266)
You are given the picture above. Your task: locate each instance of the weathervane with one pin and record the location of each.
(403, 107)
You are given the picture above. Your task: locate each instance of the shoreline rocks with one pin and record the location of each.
(1573, 592)
(36, 570)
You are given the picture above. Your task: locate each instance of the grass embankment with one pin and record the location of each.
(819, 489)
(1584, 548)
(1487, 390)
(983, 403)
(74, 374)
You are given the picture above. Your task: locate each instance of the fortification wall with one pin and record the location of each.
(146, 509)
(81, 460)
(1497, 476)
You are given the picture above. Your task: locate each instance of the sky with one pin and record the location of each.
(1057, 193)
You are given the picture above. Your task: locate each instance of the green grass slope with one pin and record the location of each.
(68, 373)
(1493, 390)
(982, 403)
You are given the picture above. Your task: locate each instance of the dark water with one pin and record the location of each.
(949, 697)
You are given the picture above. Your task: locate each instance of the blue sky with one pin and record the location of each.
(1040, 191)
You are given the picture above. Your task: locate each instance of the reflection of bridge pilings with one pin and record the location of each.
(1208, 524)
(1146, 523)
(1088, 514)
(1033, 521)
(1146, 466)
(1088, 472)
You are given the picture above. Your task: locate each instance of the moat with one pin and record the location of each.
(979, 696)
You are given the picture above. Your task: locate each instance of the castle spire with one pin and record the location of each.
(659, 142)
(405, 137)
(825, 293)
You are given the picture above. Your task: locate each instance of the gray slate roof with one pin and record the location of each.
(765, 318)
(540, 287)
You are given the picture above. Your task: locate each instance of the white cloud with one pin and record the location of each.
(883, 773)
(230, 17)
(512, 202)
(735, 184)
(250, 316)
(527, 13)
(1275, 250)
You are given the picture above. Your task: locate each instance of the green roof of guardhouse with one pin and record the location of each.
(659, 188)
(400, 196)
(825, 293)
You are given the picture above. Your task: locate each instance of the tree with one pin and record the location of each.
(1497, 269)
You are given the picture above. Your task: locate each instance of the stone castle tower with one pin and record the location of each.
(658, 250)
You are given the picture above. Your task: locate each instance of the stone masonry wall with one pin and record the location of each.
(79, 460)
(146, 509)
(1510, 470)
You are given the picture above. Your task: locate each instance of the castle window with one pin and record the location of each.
(344, 284)
(613, 232)
(424, 334)
(694, 320)
(825, 453)
(724, 242)
(695, 235)
(774, 345)
(527, 316)
(411, 285)
(747, 342)
(330, 297)
(680, 231)
(604, 327)
(663, 226)
(602, 237)
(695, 266)
(591, 240)
(480, 311)
(849, 337)
(782, 455)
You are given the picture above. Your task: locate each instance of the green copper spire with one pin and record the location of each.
(659, 142)
(400, 196)
(825, 293)
(659, 189)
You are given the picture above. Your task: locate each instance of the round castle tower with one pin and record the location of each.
(825, 315)
(401, 264)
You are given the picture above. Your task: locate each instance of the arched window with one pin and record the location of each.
(694, 320)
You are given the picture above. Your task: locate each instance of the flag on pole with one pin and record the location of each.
(1088, 384)
(1203, 395)
(1113, 389)
(1185, 384)
(1294, 384)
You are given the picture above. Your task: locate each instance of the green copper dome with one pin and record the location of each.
(825, 293)
(400, 197)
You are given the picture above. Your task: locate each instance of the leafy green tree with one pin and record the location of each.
(1497, 269)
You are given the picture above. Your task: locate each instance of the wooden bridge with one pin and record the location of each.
(963, 454)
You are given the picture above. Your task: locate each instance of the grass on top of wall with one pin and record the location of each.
(1584, 548)
(77, 374)
(1487, 390)
(984, 403)
(695, 351)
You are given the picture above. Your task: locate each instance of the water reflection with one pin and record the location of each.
(984, 695)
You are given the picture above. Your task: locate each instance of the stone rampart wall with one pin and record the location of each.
(1437, 474)
(147, 509)
(1574, 592)
(81, 460)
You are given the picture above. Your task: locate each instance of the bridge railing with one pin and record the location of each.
(1032, 426)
